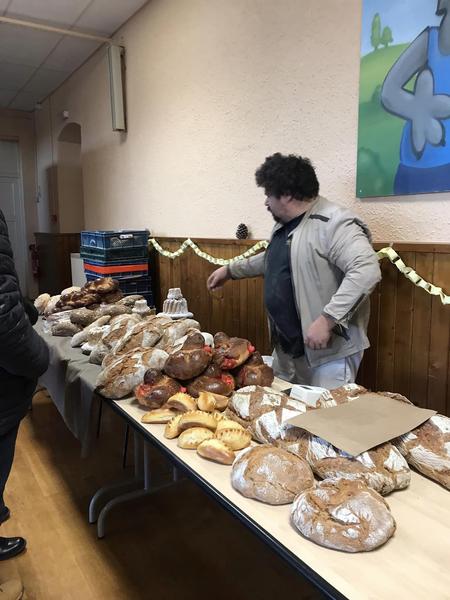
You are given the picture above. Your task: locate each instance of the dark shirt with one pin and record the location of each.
(279, 293)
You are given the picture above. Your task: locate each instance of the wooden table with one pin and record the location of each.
(413, 565)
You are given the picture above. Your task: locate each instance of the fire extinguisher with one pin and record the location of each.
(34, 260)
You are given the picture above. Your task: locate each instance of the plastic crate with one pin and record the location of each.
(121, 268)
(123, 238)
(110, 255)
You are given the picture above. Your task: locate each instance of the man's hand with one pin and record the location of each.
(319, 333)
(218, 278)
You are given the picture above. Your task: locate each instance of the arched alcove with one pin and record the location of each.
(70, 180)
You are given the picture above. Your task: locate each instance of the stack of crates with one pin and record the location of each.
(119, 254)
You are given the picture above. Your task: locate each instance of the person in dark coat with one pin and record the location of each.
(23, 358)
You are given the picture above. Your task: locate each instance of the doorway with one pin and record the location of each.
(11, 204)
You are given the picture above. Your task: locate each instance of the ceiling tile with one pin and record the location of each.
(14, 77)
(25, 46)
(70, 53)
(24, 101)
(44, 81)
(106, 16)
(60, 12)
(6, 96)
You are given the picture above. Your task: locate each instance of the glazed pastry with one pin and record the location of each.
(254, 372)
(230, 353)
(172, 429)
(181, 402)
(216, 451)
(156, 389)
(190, 360)
(197, 418)
(191, 438)
(103, 285)
(210, 402)
(158, 415)
(236, 439)
(214, 380)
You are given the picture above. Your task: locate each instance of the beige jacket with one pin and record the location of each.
(334, 269)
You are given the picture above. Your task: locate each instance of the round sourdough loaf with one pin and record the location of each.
(343, 515)
(252, 401)
(383, 468)
(427, 448)
(270, 474)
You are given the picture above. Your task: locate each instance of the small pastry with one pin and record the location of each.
(228, 424)
(158, 415)
(236, 439)
(217, 451)
(209, 401)
(194, 436)
(197, 418)
(172, 429)
(181, 402)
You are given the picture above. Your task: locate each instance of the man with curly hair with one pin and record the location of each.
(318, 270)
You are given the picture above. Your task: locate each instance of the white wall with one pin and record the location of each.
(212, 88)
(16, 125)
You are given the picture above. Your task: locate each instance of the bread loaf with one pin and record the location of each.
(190, 360)
(383, 468)
(174, 330)
(128, 370)
(270, 474)
(143, 334)
(80, 338)
(427, 449)
(343, 515)
(271, 426)
(84, 316)
(252, 401)
(41, 302)
(64, 329)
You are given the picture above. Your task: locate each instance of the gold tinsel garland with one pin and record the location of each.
(389, 253)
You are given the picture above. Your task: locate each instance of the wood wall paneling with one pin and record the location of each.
(409, 330)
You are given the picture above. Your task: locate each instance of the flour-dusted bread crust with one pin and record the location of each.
(250, 402)
(64, 329)
(383, 468)
(272, 427)
(174, 330)
(427, 449)
(127, 371)
(341, 395)
(143, 334)
(80, 338)
(343, 515)
(41, 302)
(270, 474)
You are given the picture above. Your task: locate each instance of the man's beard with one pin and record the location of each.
(276, 219)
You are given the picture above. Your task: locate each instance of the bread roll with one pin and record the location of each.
(228, 424)
(172, 429)
(270, 474)
(234, 438)
(216, 451)
(41, 302)
(181, 402)
(208, 401)
(344, 515)
(197, 418)
(191, 438)
(158, 415)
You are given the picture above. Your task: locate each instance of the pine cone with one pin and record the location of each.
(242, 231)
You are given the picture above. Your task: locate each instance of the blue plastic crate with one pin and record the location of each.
(117, 269)
(109, 255)
(129, 285)
(122, 238)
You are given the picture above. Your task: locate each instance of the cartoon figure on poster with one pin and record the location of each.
(416, 92)
(425, 145)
